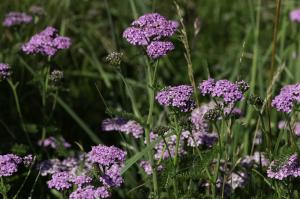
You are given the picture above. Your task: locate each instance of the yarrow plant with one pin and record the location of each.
(16, 18)
(47, 42)
(151, 30)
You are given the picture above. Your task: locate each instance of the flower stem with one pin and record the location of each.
(151, 81)
(16, 98)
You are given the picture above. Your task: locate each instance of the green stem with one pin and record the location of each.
(4, 191)
(151, 81)
(16, 98)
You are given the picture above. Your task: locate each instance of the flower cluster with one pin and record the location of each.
(147, 167)
(16, 18)
(106, 156)
(47, 42)
(281, 169)
(150, 30)
(295, 15)
(82, 170)
(200, 134)
(288, 96)
(54, 143)
(177, 96)
(228, 91)
(118, 124)
(5, 71)
(9, 163)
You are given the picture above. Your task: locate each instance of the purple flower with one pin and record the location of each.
(90, 192)
(147, 167)
(9, 164)
(102, 192)
(5, 71)
(230, 92)
(156, 26)
(157, 49)
(112, 176)
(295, 15)
(54, 143)
(177, 96)
(147, 30)
(106, 156)
(207, 86)
(16, 18)
(81, 180)
(135, 36)
(47, 42)
(60, 181)
(132, 127)
(288, 96)
(118, 124)
(280, 169)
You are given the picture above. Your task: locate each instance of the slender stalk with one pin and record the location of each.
(16, 98)
(187, 55)
(4, 191)
(151, 82)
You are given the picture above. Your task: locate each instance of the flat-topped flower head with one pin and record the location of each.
(90, 192)
(16, 18)
(47, 42)
(106, 155)
(295, 15)
(288, 96)
(228, 91)
(9, 164)
(151, 30)
(5, 71)
(157, 49)
(178, 96)
(280, 169)
(60, 181)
